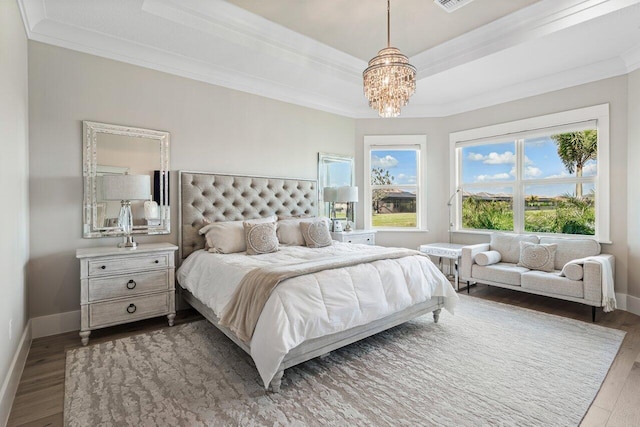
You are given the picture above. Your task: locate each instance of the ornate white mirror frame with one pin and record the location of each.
(91, 170)
(334, 170)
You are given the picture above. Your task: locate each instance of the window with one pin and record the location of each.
(394, 182)
(542, 175)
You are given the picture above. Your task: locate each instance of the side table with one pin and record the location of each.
(450, 251)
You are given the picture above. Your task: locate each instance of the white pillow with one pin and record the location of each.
(289, 233)
(487, 258)
(227, 237)
(572, 271)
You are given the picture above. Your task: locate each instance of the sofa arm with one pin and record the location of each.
(593, 277)
(468, 253)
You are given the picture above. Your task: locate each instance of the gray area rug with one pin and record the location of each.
(489, 365)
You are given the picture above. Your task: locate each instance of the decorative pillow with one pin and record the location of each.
(537, 257)
(508, 245)
(227, 237)
(289, 233)
(260, 237)
(572, 271)
(316, 233)
(488, 258)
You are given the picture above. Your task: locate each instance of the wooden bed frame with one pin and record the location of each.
(232, 186)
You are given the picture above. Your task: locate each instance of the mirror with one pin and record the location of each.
(119, 150)
(334, 170)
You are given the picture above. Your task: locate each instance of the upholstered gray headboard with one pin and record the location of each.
(220, 197)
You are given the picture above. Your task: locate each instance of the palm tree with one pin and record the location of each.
(575, 149)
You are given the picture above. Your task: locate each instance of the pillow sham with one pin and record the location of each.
(260, 237)
(289, 233)
(227, 237)
(537, 256)
(488, 258)
(316, 233)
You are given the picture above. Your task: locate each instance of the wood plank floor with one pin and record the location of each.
(40, 397)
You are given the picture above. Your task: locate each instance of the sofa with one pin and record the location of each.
(549, 266)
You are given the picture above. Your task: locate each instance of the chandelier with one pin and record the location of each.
(389, 80)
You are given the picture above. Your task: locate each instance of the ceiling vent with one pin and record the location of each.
(451, 5)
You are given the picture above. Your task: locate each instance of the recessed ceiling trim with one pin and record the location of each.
(631, 59)
(533, 22)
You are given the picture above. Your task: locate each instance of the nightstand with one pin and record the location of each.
(365, 237)
(119, 285)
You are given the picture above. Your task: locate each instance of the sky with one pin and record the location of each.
(401, 164)
(493, 163)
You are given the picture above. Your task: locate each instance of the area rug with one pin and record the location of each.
(489, 365)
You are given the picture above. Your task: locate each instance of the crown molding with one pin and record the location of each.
(631, 59)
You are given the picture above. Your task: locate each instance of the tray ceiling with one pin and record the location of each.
(312, 52)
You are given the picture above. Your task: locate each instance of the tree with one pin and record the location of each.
(380, 176)
(575, 149)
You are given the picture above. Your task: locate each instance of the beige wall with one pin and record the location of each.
(14, 175)
(212, 129)
(612, 91)
(633, 187)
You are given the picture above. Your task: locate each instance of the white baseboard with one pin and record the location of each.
(54, 324)
(10, 385)
(633, 305)
(621, 301)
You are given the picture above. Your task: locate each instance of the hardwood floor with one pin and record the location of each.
(40, 397)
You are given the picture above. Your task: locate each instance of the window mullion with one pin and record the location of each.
(518, 188)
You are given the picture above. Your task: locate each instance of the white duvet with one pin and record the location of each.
(310, 306)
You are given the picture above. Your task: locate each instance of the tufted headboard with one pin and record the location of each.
(220, 197)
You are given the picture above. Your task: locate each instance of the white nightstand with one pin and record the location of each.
(451, 251)
(123, 285)
(366, 237)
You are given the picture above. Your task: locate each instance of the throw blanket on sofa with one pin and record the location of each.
(608, 293)
(242, 312)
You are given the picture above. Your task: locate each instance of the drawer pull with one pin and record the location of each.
(131, 284)
(132, 308)
(103, 267)
(156, 261)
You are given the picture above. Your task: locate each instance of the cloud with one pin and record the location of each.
(385, 162)
(406, 179)
(532, 172)
(476, 157)
(590, 168)
(562, 174)
(494, 158)
(497, 176)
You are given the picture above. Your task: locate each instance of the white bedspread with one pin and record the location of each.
(318, 304)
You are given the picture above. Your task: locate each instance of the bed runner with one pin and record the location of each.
(241, 314)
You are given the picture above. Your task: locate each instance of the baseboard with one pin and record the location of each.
(10, 385)
(633, 305)
(621, 301)
(54, 324)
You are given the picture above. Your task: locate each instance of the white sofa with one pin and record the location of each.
(584, 286)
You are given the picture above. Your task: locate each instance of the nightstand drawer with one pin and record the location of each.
(118, 265)
(364, 239)
(125, 310)
(128, 285)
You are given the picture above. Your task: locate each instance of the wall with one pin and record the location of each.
(633, 189)
(14, 249)
(612, 91)
(212, 129)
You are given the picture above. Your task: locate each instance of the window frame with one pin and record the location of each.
(528, 128)
(398, 142)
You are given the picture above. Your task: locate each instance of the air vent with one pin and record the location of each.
(451, 5)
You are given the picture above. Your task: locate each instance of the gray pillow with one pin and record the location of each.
(508, 245)
(316, 234)
(537, 257)
(260, 237)
(573, 271)
(289, 232)
(488, 258)
(228, 237)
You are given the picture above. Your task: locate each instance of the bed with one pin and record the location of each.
(305, 316)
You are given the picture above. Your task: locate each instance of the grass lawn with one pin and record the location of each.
(405, 219)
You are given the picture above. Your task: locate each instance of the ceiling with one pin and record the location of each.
(312, 52)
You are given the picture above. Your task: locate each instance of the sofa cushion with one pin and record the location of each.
(509, 245)
(570, 249)
(552, 283)
(501, 272)
(537, 257)
(487, 258)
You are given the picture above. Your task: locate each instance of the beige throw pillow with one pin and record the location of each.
(260, 237)
(316, 233)
(227, 237)
(537, 257)
(488, 258)
(573, 271)
(289, 232)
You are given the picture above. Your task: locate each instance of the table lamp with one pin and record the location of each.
(348, 195)
(126, 188)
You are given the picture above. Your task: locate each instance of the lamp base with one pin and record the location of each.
(128, 243)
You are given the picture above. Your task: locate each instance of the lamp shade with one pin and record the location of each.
(126, 187)
(330, 194)
(347, 194)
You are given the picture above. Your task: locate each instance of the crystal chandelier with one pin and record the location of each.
(389, 80)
